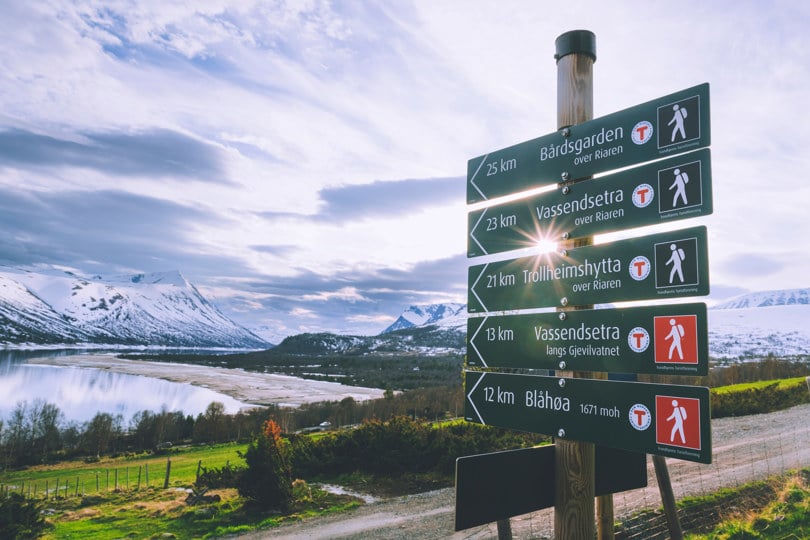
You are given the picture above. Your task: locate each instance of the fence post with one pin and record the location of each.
(139, 476)
(168, 470)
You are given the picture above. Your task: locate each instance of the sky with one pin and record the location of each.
(303, 163)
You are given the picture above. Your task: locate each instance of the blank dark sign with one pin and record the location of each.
(495, 486)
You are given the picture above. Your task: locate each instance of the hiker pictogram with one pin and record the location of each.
(677, 421)
(676, 339)
(676, 263)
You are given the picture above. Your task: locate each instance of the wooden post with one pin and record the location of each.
(667, 497)
(139, 476)
(147, 475)
(574, 460)
(47, 487)
(504, 529)
(199, 466)
(168, 470)
(605, 518)
(77, 487)
(116, 479)
(96, 481)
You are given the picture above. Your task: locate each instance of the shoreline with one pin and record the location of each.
(260, 389)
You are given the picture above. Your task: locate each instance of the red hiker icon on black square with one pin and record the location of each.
(676, 339)
(677, 421)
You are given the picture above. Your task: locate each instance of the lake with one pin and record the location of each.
(82, 392)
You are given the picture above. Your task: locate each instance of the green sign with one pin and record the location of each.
(665, 265)
(663, 127)
(669, 190)
(661, 419)
(665, 339)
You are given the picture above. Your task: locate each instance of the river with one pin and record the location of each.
(81, 392)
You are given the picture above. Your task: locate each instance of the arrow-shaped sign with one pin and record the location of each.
(668, 420)
(664, 339)
(668, 190)
(665, 265)
(662, 127)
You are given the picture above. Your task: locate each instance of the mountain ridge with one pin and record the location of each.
(160, 309)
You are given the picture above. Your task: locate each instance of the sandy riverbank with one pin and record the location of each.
(255, 388)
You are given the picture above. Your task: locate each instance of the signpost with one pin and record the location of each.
(670, 420)
(666, 126)
(664, 339)
(658, 266)
(672, 132)
(669, 190)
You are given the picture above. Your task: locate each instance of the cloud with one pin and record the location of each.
(109, 228)
(381, 199)
(753, 265)
(156, 152)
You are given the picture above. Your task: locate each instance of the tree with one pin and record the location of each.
(268, 478)
(20, 518)
(45, 420)
(98, 434)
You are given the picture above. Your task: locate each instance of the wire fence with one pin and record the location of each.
(86, 482)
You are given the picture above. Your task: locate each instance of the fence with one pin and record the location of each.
(115, 479)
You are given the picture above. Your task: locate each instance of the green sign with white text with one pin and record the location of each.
(664, 191)
(663, 127)
(658, 266)
(661, 419)
(667, 339)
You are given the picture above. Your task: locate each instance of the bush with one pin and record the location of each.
(217, 478)
(268, 478)
(400, 446)
(772, 397)
(19, 518)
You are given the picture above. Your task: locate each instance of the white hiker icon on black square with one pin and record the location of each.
(676, 263)
(678, 122)
(680, 187)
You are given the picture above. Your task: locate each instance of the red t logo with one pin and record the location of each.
(641, 130)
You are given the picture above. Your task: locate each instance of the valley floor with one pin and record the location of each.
(249, 387)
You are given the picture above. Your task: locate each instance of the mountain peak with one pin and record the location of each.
(157, 309)
(449, 315)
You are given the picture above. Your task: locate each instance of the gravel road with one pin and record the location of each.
(745, 449)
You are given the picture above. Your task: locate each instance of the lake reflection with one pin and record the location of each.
(82, 392)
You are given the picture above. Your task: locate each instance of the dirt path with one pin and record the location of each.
(745, 449)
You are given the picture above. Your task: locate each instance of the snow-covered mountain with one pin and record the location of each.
(761, 323)
(787, 297)
(160, 309)
(451, 316)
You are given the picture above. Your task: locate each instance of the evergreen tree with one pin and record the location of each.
(268, 478)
